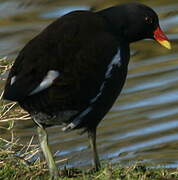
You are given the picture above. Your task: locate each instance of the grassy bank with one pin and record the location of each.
(15, 165)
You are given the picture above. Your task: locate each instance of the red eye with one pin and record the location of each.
(148, 20)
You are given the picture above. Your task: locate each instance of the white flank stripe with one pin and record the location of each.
(99, 94)
(115, 61)
(47, 81)
(13, 80)
(85, 112)
(77, 120)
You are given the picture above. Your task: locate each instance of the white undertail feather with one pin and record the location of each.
(47, 81)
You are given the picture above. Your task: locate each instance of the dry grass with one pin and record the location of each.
(15, 161)
(9, 111)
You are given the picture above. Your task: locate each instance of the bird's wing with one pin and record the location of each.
(66, 52)
(65, 66)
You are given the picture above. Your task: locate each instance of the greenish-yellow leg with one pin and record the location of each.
(43, 138)
(92, 139)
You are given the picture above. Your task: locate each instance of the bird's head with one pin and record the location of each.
(135, 21)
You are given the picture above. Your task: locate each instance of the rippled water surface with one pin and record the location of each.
(143, 123)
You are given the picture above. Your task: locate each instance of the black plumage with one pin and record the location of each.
(73, 71)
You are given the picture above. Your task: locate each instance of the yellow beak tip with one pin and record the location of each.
(165, 44)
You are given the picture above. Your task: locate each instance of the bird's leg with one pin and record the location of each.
(92, 139)
(43, 138)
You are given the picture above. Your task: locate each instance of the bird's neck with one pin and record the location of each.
(114, 25)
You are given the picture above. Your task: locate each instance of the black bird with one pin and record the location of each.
(73, 71)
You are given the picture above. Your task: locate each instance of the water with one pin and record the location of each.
(143, 123)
